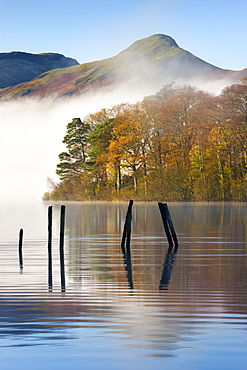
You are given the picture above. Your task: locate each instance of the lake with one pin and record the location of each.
(180, 308)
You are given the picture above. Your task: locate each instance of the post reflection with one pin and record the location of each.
(168, 267)
(127, 263)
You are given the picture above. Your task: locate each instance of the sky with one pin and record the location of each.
(31, 132)
(213, 30)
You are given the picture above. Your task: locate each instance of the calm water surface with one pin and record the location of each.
(183, 308)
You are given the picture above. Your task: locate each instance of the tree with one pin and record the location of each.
(97, 161)
(128, 146)
(233, 103)
(72, 161)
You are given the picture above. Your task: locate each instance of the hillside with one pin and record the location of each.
(17, 67)
(148, 63)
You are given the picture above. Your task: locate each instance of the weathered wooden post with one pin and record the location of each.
(50, 246)
(170, 224)
(126, 238)
(20, 248)
(127, 227)
(164, 219)
(61, 247)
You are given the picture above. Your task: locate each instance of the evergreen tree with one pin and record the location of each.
(72, 162)
(97, 161)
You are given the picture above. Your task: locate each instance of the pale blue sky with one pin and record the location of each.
(91, 30)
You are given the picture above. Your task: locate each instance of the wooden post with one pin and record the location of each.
(126, 238)
(50, 246)
(61, 247)
(164, 219)
(20, 248)
(127, 227)
(170, 224)
(128, 263)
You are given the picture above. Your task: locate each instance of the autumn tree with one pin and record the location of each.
(233, 103)
(124, 147)
(203, 170)
(177, 119)
(97, 162)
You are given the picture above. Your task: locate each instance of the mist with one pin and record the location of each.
(31, 139)
(32, 132)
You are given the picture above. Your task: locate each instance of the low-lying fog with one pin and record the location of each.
(31, 138)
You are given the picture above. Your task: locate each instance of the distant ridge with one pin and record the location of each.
(148, 63)
(17, 67)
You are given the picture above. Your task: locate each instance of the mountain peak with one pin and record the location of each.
(157, 42)
(158, 39)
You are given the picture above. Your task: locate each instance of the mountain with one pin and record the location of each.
(149, 63)
(17, 67)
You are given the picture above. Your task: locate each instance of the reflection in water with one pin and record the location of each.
(168, 266)
(127, 262)
(50, 248)
(197, 320)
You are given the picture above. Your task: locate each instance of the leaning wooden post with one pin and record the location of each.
(127, 227)
(170, 224)
(20, 248)
(61, 247)
(50, 246)
(128, 253)
(126, 238)
(163, 216)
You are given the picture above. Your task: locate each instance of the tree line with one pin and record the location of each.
(181, 144)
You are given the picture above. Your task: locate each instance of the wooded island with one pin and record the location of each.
(180, 144)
